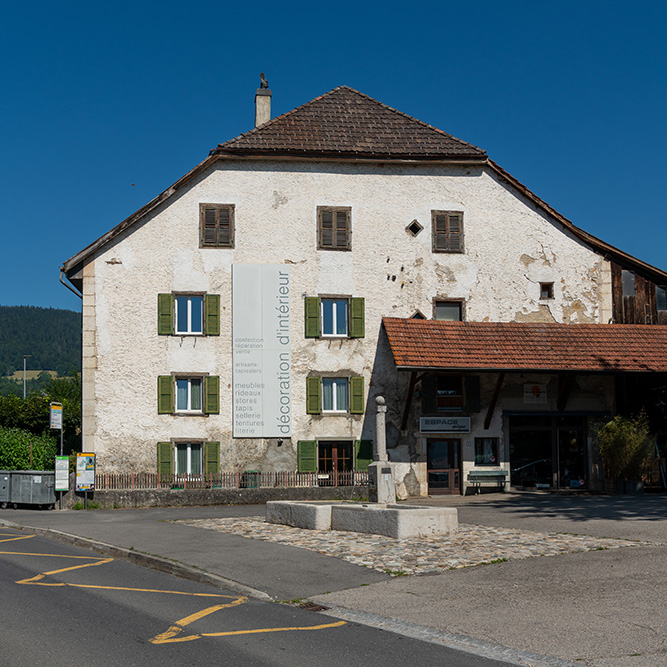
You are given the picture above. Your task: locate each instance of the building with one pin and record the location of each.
(248, 317)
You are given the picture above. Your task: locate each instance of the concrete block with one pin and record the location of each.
(313, 516)
(398, 521)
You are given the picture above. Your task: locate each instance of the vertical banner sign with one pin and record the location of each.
(56, 415)
(85, 471)
(62, 473)
(261, 315)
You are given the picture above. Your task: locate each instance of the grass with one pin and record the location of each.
(92, 505)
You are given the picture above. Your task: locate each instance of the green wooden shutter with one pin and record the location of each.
(357, 323)
(212, 314)
(165, 461)
(363, 454)
(313, 396)
(429, 398)
(165, 395)
(312, 315)
(165, 314)
(472, 393)
(357, 395)
(212, 394)
(306, 455)
(212, 457)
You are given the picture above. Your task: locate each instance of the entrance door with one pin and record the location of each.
(571, 453)
(335, 457)
(443, 465)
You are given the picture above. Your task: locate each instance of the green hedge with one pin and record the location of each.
(15, 450)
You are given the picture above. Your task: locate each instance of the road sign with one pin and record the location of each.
(62, 473)
(56, 415)
(85, 471)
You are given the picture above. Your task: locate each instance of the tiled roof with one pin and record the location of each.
(345, 122)
(514, 346)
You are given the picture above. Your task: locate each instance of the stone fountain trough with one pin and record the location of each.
(398, 521)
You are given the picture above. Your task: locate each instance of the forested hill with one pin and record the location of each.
(51, 336)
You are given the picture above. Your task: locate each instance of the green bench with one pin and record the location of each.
(476, 477)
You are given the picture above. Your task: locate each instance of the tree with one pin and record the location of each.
(626, 447)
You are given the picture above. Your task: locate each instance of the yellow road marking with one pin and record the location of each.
(30, 553)
(171, 635)
(14, 537)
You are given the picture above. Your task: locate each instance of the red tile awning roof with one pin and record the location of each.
(513, 346)
(345, 122)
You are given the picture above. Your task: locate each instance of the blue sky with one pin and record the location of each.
(104, 105)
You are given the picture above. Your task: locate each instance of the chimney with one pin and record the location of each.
(262, 102)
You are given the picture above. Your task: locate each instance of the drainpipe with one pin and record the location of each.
(69, 287)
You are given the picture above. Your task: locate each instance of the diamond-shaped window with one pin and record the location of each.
(414, 228)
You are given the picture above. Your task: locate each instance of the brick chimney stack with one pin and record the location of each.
(262, 102)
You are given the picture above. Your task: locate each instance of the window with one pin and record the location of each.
(661, 297)
(334, 316)
(334, 394)
(188, 314)
(188, 394)
(310, 454)
(448, 311)
(546, 290)
(188, 458)
(486, 452)
(414, 228)
(216, 223)
(447, 231)
(449, 392)
(333, 228)
(628, 283)
(182, 457)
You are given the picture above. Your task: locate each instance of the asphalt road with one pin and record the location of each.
(62, 606)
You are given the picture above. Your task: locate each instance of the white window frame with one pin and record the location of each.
(189, 331)
(335, 381)
(334, 317)
(189, 380)
(189, 446)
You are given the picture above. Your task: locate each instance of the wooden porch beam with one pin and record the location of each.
(414, 378)
(494, 400)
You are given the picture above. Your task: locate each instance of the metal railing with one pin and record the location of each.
(145, 481)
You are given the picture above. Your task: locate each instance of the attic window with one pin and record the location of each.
(216, 225)
(414, 228)
(546, 290)
(661, 297)
(333, 228)
(628, 283)
(417, 315)
(447, 231)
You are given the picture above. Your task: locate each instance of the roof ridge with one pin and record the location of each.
(261, 128)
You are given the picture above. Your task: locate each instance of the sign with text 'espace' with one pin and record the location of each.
(261, 316)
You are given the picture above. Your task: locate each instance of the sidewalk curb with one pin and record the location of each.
(461, 643)
(150, 561)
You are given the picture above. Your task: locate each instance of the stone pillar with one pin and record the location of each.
(262, 106)
(381, 486)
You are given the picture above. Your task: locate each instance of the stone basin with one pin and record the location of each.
(392, 520)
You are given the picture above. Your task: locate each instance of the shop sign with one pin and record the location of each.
(535, 393)
(444, 424)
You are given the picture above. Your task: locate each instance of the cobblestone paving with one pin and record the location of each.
(472, 545)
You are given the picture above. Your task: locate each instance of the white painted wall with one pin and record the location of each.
(510, 248)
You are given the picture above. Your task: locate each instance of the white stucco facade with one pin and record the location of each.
(510, 248)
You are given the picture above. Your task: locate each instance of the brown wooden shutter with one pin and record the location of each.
(313, 395)
(342, 230)
(209, 227)
(326, 229)
(357, 395)
(455, 232)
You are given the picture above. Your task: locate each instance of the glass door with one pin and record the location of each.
(443, 465)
